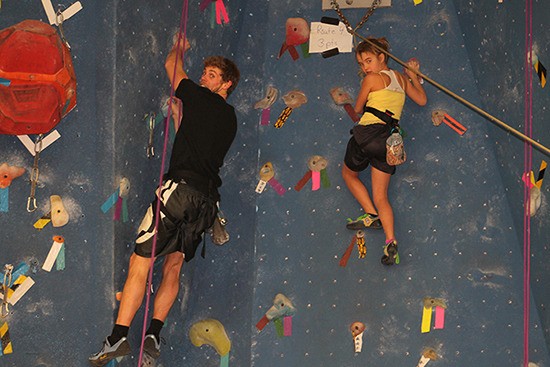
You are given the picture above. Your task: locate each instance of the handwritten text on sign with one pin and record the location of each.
(324, 37)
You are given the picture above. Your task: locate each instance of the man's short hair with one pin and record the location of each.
(230, 71)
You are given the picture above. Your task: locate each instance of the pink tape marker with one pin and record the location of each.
(439, 317)
(221, 12)
(315, 180)
(287, 325)
(264, 121)
(279, 189)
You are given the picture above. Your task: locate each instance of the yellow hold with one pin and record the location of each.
(211, 332)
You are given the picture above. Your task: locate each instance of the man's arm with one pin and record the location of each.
(174, 63)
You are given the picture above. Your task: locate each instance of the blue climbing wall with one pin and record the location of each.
(457, 201)
(497, 51)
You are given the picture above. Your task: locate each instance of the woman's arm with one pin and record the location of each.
(413, 88)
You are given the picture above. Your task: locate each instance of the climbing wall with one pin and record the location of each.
(457, 200)
(498, 65)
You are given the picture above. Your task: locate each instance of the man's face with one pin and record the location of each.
(212, 79)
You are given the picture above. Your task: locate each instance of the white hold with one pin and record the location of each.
(423, 361)
(534, 200)
(124, 187)
(358, 341)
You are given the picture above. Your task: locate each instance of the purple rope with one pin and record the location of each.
(183, 26)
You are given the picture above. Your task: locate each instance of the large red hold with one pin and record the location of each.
(39, 85)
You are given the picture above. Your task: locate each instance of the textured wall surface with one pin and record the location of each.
(457, 200)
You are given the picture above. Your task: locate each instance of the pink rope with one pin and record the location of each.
(528, 155)
(183, 26)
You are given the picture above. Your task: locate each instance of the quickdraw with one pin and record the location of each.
(4, 308)
(31, 201)
(351, 30)
(150, 146)
(59, 19)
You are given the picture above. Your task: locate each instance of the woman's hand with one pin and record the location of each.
(412, 69)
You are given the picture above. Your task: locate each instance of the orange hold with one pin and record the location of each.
(8, 173)
(42, 82)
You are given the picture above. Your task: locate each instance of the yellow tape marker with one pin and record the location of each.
(540, 177)
(5, 338)
(43, 222)
(541, 72)
(426, 319)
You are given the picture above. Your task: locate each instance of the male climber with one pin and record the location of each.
(187, 197)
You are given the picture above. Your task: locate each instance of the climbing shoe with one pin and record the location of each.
(110, 352)
(390, 256)
(364, 221)
(151, 346)
(151, 350)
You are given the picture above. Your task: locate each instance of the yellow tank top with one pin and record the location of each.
(391, 98)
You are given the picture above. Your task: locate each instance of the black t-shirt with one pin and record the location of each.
(208, 128)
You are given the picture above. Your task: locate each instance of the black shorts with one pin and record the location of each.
(185, 214)
(368, 146)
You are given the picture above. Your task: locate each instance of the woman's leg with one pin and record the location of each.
(358, 189)
(380, 184)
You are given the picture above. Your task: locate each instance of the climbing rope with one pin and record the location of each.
(527, 161)
(182, 36)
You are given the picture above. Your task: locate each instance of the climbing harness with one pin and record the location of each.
(351, 30)
(31, 201)
(4, 308)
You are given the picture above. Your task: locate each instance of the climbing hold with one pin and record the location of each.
(210, 332)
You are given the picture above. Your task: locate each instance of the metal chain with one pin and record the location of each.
(4, 309)
(31, 201)
(336, 7)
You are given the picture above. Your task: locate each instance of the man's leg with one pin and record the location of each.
(134, 289)
(169, 285)
(116, 345)
(164, 299)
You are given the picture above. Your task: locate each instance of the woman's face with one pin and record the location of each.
(370, 62)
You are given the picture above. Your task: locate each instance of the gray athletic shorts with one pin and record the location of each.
(185, 214)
